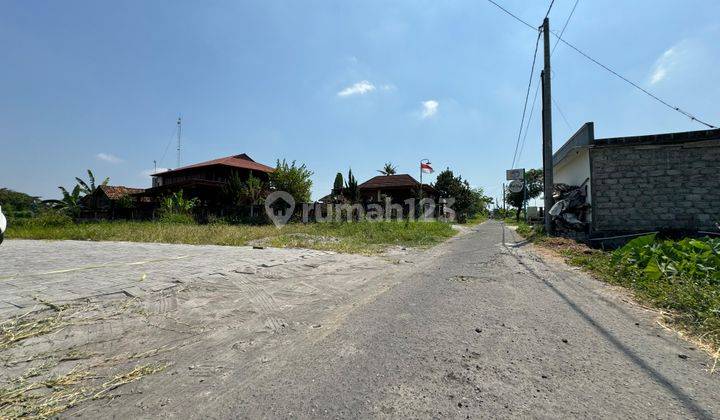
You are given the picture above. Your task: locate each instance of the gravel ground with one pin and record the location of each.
(470, 328)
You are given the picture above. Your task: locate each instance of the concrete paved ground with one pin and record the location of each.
(471, 328)
(63, 271)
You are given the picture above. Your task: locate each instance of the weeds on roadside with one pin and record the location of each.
(680, 277)
(363, 237)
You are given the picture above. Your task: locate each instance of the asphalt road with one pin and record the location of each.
(472, 328)
(481, 329)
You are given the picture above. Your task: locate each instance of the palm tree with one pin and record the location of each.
(70, 203)
(253, 191)
(388, 169)
(351, 188)
(89, 189)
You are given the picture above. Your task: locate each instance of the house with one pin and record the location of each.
(106, 197)
(205, 180)
(110, 201)
(396, 187)
(644, 183)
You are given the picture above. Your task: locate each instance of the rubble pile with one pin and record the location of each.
(571, 207)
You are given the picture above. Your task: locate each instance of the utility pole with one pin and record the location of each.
(504, 202)
(547, 129)
(179, 133)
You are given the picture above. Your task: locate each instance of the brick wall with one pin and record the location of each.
(652, 187)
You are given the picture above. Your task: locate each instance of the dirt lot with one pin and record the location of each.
(87, 321)
(480, 326)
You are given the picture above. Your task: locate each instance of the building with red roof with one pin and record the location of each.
(205, 180)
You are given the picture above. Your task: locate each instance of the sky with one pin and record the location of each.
(334, 85)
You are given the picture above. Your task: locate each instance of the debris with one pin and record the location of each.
(570, 206)
(682, 356)
(564, 340)
(478, 330)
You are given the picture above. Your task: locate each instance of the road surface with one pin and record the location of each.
(471, 328)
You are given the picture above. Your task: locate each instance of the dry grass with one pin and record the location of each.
(361, 237)
(15, 330)
(49, 386)
(45, 398)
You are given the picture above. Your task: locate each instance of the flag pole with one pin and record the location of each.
(427, 161)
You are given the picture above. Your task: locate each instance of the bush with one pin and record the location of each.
(46, 219)
(293, 179)
(683, 276)
(177, 218)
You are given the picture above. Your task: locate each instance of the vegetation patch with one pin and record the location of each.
(62, 376)
(682, 278)
(359, 237)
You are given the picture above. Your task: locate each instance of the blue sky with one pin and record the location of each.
(334, 85)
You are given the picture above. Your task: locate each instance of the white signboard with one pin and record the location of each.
(515, 186)
(515, 174)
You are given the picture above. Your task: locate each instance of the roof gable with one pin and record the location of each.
(116, 192)
(241, 161)
(390, 181)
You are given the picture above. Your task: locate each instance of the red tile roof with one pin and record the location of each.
(116, 192)
(390, 181)
(242, 161)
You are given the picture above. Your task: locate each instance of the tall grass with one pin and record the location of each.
(682, 278)
(367, 237)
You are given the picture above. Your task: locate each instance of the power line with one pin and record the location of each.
(516, 18)
(549, 8)
(564, 26)
(527, 93)
(527, 96)
(168, 145)
(562, 114)
(537, 88)
(645, 91)
(527, 127)
(635, 85)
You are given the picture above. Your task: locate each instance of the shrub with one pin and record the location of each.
(683, 276)
(177, 218)
(45, 219)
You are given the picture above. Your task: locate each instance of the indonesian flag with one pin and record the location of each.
(426, 168)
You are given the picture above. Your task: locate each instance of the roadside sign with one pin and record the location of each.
(516, 186)
(515, 174)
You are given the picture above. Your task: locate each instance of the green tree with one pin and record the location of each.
(480, 202)
(90, 187)
(253, 191)
(18, 204)
(388, 169)
(533, 187)
(352, 192)
(293, 179)
(450, 186)
(338, 184)
(232, 191)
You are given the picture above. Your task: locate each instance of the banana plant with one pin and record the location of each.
(90, 188)
(70, 203)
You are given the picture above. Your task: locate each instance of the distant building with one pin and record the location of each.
(111, 201)
(397, 188)
(107, 196)
(644, 183)
(205, 180)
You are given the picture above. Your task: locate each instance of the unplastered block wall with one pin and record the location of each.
(652, 187)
